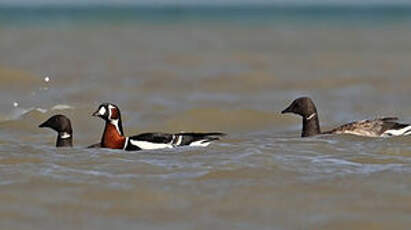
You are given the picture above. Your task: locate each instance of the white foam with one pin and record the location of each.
(41, 110)
(19, 111)
(61, 107)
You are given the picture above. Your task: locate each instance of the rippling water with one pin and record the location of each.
(203, 75)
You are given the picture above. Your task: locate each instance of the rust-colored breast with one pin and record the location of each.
(112, 138)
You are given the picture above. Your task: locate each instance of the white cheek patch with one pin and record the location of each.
(102, 111)
(150, 145)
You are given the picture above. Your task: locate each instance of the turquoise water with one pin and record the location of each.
(248, 15)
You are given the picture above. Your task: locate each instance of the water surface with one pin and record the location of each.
(227, 70)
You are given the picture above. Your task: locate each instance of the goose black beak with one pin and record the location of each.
(44, 124)
(287, 110)
(95, 114)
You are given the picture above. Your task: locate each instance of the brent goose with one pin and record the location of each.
(62, 125)
(380, 127)
(113, 136)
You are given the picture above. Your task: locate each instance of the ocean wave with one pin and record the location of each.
(20, 112)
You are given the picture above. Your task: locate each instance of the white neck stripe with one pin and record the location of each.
(311, 116)
(115, 123)
(65, 135)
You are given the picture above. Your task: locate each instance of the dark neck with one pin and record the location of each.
(311, 127)
(66, 142)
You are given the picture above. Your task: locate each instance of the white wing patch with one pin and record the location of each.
(364, 133)
(150, 145)
(179, 140)
(397, 132)
(200, 143)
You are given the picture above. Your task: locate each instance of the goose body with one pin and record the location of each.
(379, 127)
(113, 136)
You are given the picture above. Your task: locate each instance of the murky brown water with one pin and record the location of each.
(189, 77)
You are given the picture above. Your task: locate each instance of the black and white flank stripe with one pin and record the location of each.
(149, 141)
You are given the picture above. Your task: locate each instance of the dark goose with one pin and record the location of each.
(62, 125)
(380, 127)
